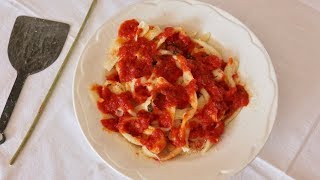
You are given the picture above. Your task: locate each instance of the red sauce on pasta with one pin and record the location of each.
(141, 58)
(110, 124)
(156, 141)
(110, 102)
(166, 67)
(128, 29)
(163, 118)
(141, 94)
(136, 59)
(176, 138)
(169, 96)
(134, 126)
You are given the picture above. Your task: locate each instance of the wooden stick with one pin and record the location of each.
(56, 79)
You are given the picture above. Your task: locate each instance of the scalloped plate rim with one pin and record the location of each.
(93, 42)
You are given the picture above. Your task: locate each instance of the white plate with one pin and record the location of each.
(244, 137)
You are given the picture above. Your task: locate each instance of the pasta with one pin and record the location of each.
(166, 92)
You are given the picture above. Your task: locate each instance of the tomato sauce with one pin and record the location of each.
(111, 102)
(128, 29)
(156, 141)
(167, 32)
(197, 136)
(163, 117)
(166, 67)
(168, 96)
(214, 131)
(201, 68)
(141, 94)
(113, 77)
(134, 126)
(139, 57)
(110, 124)
(177, 137)
(196, 130)
(131, 66)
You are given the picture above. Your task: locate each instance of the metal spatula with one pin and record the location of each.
(34, 45)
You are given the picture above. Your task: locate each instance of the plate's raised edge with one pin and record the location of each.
(84, 127)
(78, 110)
(272, 76)
(222, 13)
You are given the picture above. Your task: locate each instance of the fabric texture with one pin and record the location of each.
(289, 29)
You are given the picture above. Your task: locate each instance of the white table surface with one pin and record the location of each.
(289, 29)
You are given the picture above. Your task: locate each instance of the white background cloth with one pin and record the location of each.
(289, 29)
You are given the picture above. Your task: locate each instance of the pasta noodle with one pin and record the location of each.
(166, 92)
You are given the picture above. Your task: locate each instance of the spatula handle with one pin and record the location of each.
(11, 102)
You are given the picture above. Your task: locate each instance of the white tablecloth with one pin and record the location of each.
(289, 29)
